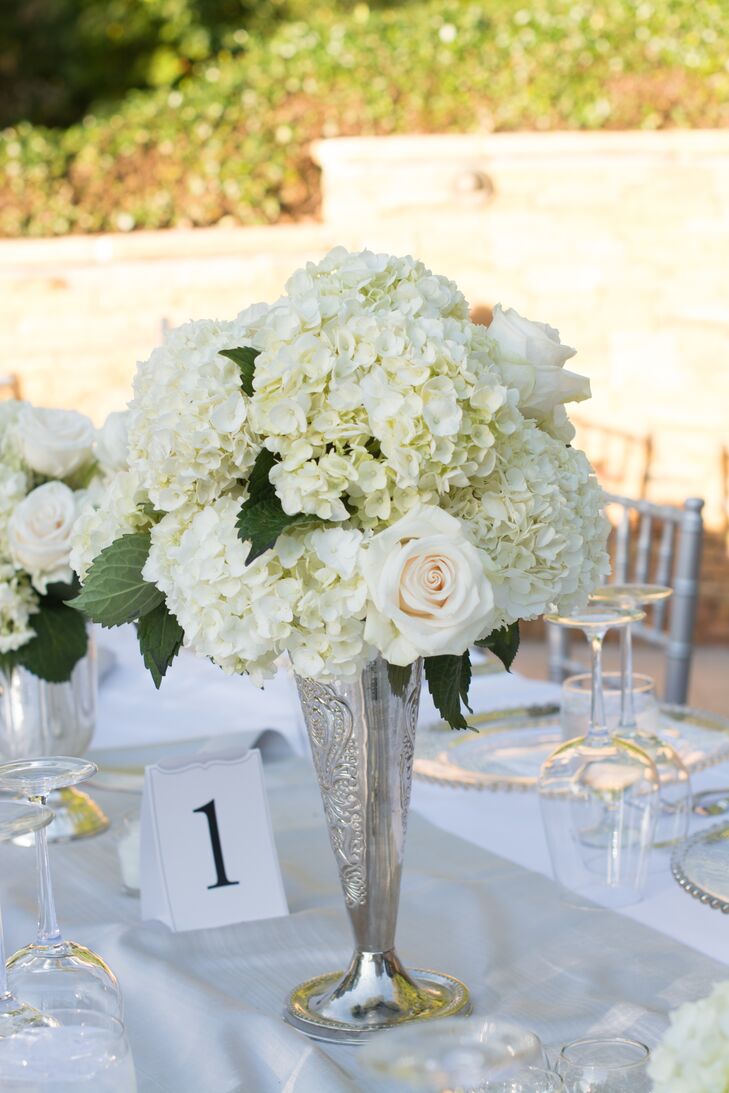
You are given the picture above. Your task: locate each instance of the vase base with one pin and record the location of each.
(76, 816)
(435, 995)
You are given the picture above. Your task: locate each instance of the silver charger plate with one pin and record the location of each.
(701, 866)
(509, 746)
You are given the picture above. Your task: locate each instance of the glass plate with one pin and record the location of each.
(701, 866)
(509, 746)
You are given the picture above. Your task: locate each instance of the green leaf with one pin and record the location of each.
(398, 676)
(262, 523)
(114, 591)
(7, 663)
(64, 590)
(448, 679)
(245, 358)
(503, 643)
(160, 637)
(259, 483)
(60, 641)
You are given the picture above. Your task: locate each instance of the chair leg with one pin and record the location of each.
(558, 652)
(679, 650)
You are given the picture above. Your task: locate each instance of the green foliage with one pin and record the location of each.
(261, 523)
(114, 591)
(398, 676)
(229, 142)
(59, 56)
(160, 637)
(449, 680)
(262, 519)
(245, 358)
(60, 641)
(503, 643)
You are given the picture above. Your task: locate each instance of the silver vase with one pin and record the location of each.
(38, 719)
(362, 736)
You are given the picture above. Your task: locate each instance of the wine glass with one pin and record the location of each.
(599, 793)
(18, 818)
(458, 1055)
(604, 1066)
(576, 697)
(82, 1050)
(675, 788)
(54, 973)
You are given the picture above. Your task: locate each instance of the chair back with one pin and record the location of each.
(656, 544)
(9, 386)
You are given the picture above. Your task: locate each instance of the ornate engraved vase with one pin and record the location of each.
(39, 718)
(362, 737)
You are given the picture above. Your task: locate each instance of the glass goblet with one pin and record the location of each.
(455, 1055)
(53, 973)
(18, 818)
(599, 793)
(83, 1050)
(577, 696)
(604, 1066)
(675, 789)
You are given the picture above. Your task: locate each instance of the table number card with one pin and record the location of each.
(207, 852)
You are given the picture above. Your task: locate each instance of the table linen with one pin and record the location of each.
(204, 1008)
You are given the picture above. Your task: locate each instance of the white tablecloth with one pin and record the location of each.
(197, 701)
(203, 1008)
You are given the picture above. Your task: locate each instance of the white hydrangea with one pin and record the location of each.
(378, 398)
(18, 602)
(107, 510)
(538, 520)
(693, 1056)
(188, 434)
(373, 385)
(306, 596)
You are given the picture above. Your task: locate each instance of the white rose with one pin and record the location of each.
(55, 442)
(39, 534)
(429, 593)
(112, 441)
(532, 360)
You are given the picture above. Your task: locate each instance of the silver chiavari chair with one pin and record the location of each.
(659, 544)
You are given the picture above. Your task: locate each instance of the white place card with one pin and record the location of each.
(207, 852)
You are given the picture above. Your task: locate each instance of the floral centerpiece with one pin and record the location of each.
(356, 469)
(50, 462)
(361, 478)
(693, 1056)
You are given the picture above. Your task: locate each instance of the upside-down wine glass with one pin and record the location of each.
(675, 790)
(82, 1051)
(53, 973)
(605, 1066)
(599, 793)
(18, 818)
(460, 1055)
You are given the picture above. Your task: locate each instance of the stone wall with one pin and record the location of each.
(619, 239)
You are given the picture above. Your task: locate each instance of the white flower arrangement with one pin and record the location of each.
(48, 471)
(693, 1056)
(352, 470)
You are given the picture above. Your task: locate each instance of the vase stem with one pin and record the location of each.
(362, 735)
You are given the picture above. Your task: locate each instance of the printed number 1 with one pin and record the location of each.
(209, 811)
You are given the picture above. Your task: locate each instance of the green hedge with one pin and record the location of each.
(229, 142)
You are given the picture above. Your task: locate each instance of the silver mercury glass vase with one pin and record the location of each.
(362, 737)
(38, 718)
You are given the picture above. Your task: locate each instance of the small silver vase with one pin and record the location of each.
(39, 718)
(362, 736)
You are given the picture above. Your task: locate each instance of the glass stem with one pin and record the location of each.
(627, 701)
(4, 992)
(48, 931)
(598, 727)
